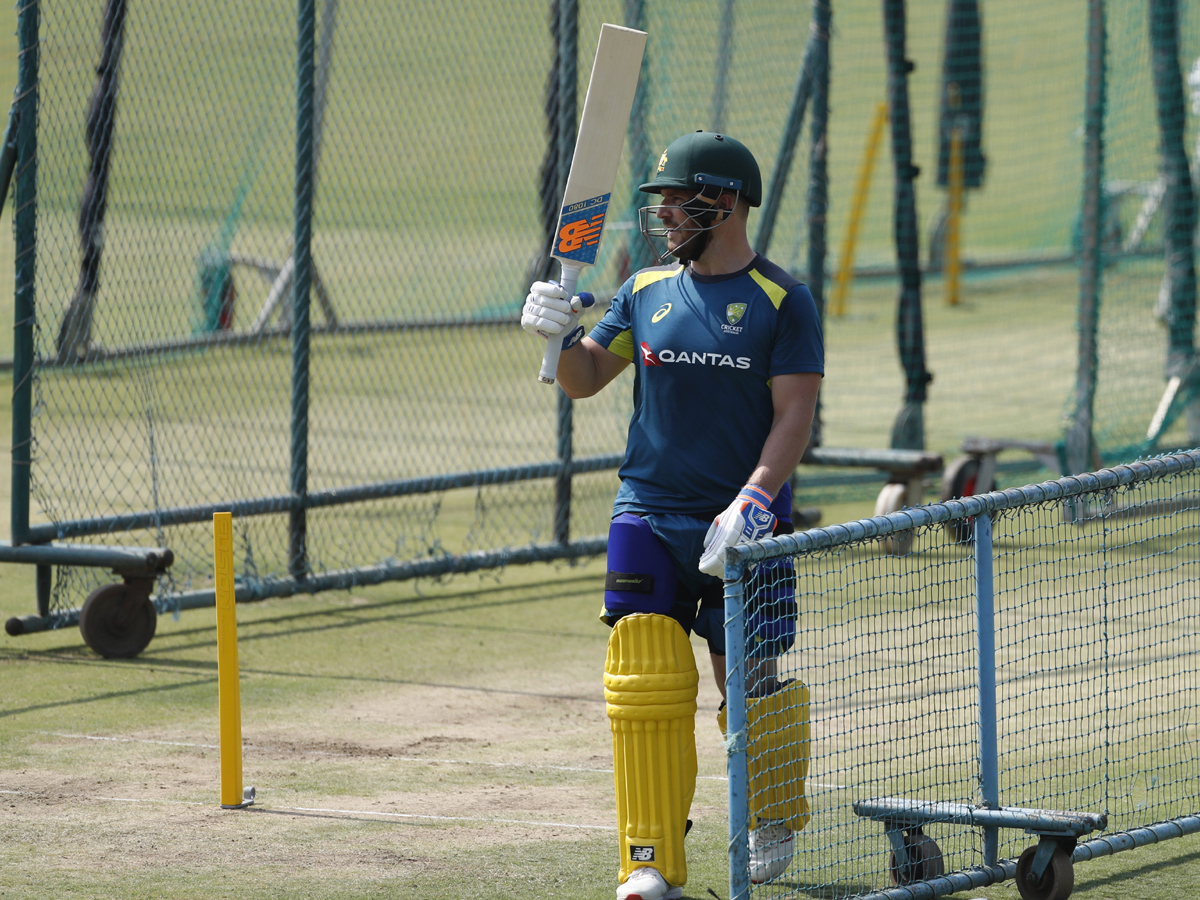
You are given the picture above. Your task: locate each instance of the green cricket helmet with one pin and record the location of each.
(705, 159)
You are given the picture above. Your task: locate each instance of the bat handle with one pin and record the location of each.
(568, 279)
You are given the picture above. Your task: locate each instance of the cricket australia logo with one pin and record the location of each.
(733, 315)
(662, 161)
(641, 854)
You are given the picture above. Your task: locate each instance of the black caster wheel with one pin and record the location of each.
(891, 499)
(924, 860)
(1056, 882)
(118, 621)
(960, 480)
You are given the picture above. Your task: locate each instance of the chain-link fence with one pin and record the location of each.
(383, 420)
(984, 676)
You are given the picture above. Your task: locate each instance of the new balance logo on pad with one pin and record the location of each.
(641, 854)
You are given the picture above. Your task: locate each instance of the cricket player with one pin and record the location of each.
(728, 356)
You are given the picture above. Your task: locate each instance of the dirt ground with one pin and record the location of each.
(449, 745)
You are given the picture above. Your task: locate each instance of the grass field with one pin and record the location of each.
(422, 741)
(448, 740)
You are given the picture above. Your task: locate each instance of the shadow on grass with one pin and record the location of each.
(358, 618)
(341, 817)
(1149, 868)
(108, 695)
(352, 617)
(816, 891)
(364, 616)
(531, 593)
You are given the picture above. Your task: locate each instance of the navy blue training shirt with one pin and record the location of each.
(705, 349)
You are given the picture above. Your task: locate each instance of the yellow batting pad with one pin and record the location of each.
(778, 756)
(650, 684)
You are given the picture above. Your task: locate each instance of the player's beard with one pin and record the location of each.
(693, 248)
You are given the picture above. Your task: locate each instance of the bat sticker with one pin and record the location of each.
(579, 229)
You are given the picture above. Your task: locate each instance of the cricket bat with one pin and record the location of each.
(598, 146)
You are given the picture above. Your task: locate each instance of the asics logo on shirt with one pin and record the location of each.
(693, 357)
(661, 313)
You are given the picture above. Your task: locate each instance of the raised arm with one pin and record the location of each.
(587, 367)
(584, 366)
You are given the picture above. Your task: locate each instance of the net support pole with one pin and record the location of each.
(8, 155)
(306, 18)
(908, 431)
(735, 728)
(858, 202)
(75, 332)
(25, 229)
(640, 160)
(818, 174)
(1080, 442)
(550, 190)
(1179, 198)
(791, 133)
(951, 262)
(724, 58)
(985, 626)
(568, 35)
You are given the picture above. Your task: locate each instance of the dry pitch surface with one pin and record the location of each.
(412, 740)
(451, 745)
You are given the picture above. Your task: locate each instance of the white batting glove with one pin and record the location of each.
(548, 312)
(746, 519)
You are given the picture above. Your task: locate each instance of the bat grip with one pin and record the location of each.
(568, 279)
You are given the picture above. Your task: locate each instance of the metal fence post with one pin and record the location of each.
(985, 624)
(302, 253)
(25, 225)
(735, 727)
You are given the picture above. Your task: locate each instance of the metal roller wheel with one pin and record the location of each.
(959, 480)
(924, 860)
(117, 621)
(1056, 882)
(892, 499)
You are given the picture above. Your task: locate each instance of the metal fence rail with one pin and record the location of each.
(993, 679)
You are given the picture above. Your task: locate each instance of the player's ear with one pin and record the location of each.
(726, 203)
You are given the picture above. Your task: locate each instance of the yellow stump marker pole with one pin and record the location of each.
(862, 185)
(230, 694)
(951, 258)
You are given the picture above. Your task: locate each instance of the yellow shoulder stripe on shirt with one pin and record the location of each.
(772, 290)
(622, 345)
(643, 279)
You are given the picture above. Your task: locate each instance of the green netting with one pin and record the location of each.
(430, 139)
(1083, 627)
(430, 144)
